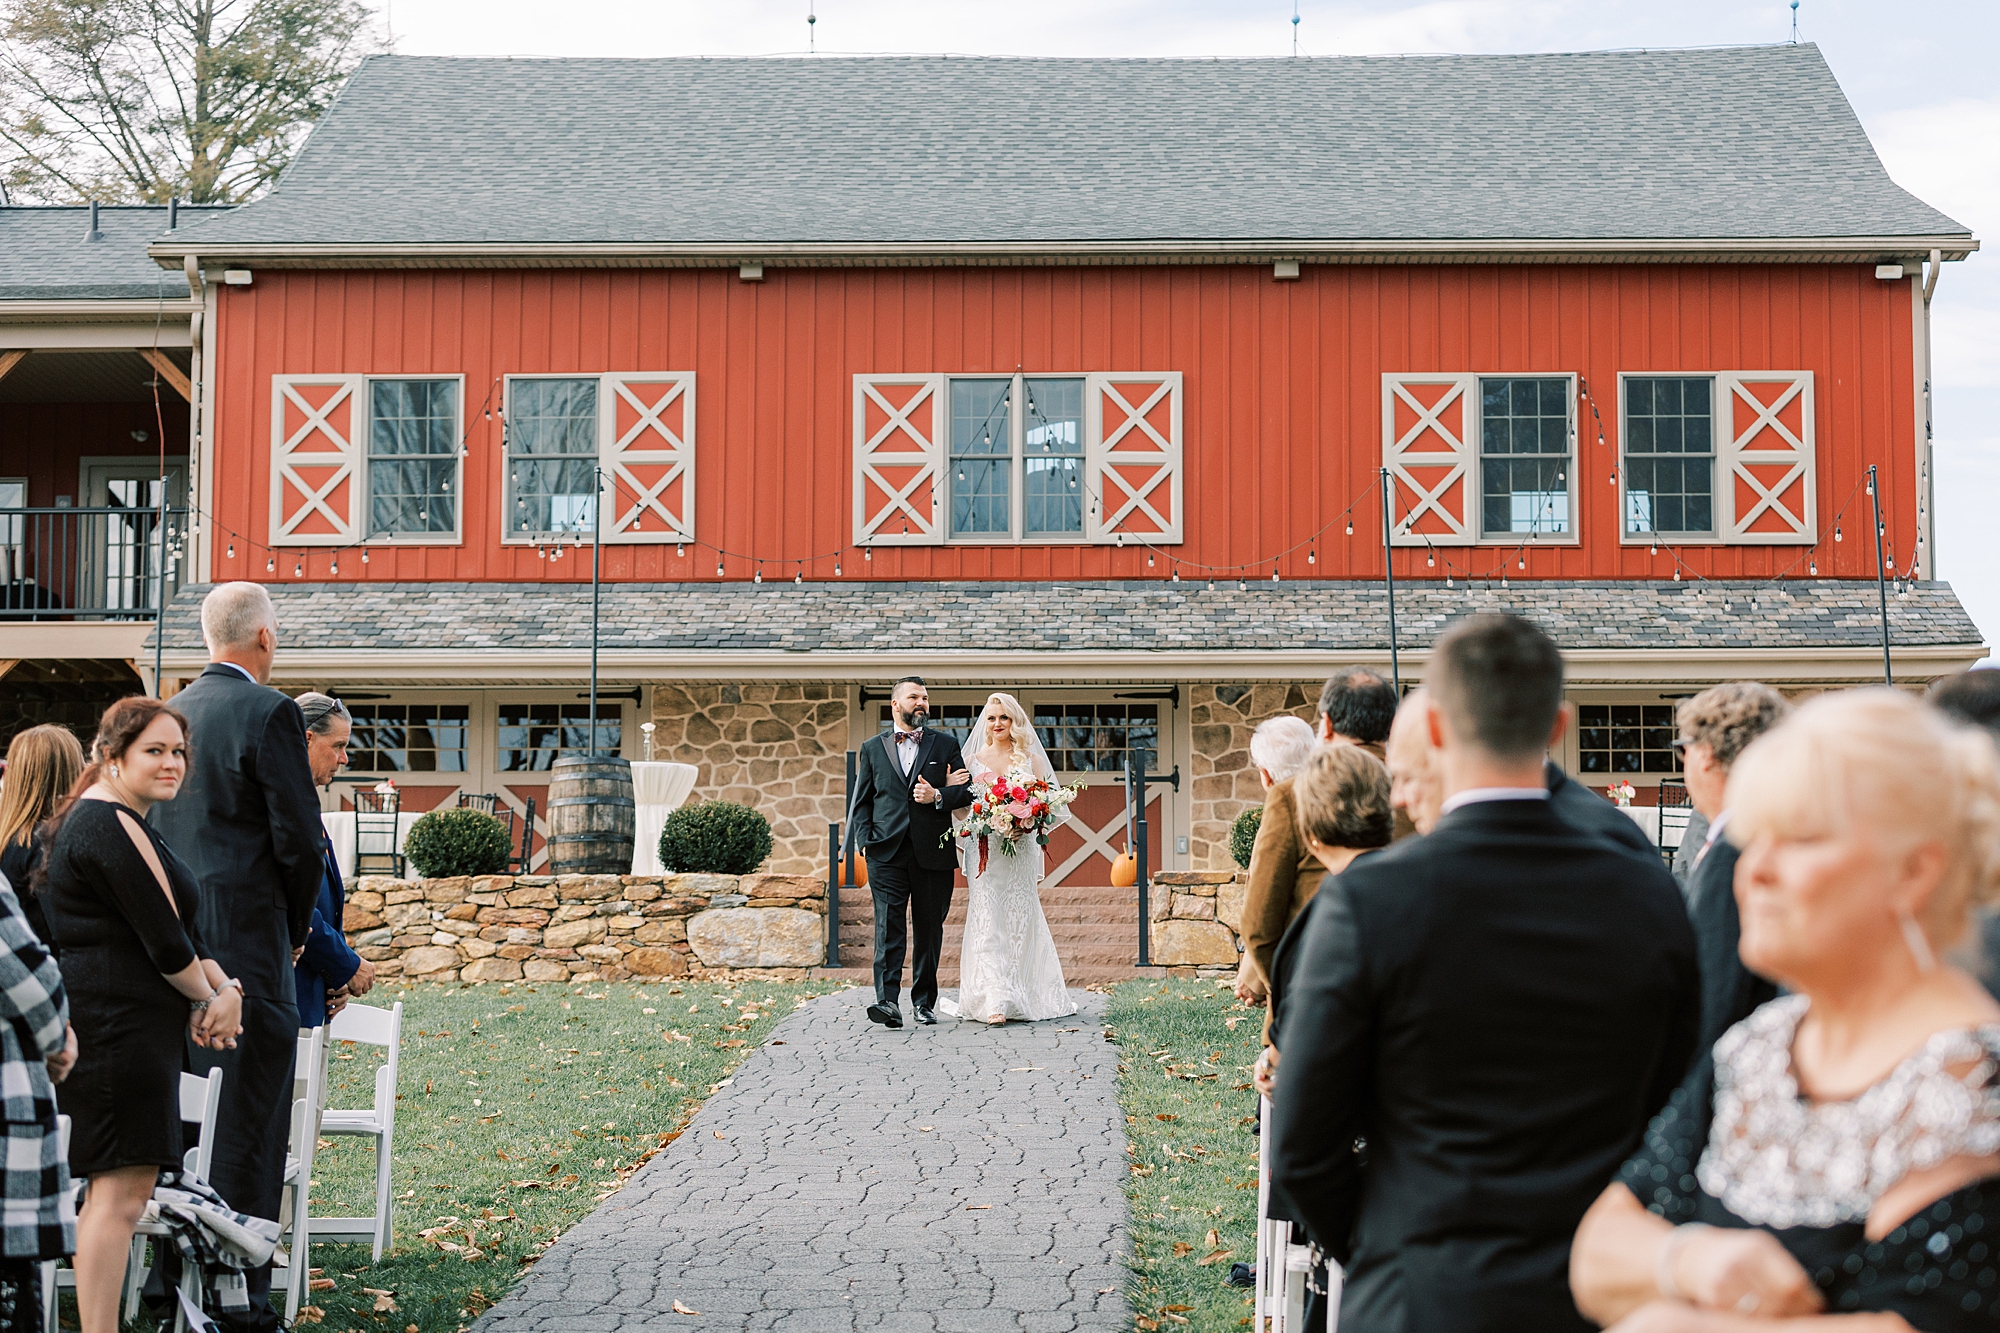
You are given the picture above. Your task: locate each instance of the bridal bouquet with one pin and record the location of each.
(1014, 805)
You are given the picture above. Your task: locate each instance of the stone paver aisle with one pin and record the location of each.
(955, 1179)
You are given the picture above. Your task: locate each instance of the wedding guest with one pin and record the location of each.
(1357, 707)
(1973, 698)
(42, 765)
(1283, 874)
(329, 973)
(1496, 1007)
(1414, 784)
(247, 825)
(1715, 727)
(1836, 1153)
(37, 1050)
(139, 981)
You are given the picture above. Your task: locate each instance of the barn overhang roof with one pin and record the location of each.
(1747, 154)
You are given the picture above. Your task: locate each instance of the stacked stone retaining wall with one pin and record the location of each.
(554, 928)
(1197, 919)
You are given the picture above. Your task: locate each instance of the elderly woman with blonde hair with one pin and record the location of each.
(1283, 874)
(1832, 1161)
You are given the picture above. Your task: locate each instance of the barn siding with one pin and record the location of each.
(1282, 404)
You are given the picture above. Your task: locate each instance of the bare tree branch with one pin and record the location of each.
(205, 100)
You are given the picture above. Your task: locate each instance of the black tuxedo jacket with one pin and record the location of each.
(1587, 810)
(247, 824)
(1729, 990)
(1497, 1009)
(886, 819)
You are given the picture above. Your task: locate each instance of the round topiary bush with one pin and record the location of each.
(1243, 835)
(457, 842)
(715, 838)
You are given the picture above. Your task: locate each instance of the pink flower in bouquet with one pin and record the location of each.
(1020, 810)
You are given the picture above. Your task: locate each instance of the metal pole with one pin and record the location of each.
(1137, 777)
(1389, 577)
(160, 596)
(596, 570)
(1881, 581)
(833, 895)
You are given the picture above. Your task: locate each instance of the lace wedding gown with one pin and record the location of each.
(1008, 964)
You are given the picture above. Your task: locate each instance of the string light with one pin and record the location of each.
(799, 577)
(270, 564)
(299, 568)
(336, 565)
(364, 555)
(836, 569)
(680, 551)
(1312, 556)
(1350, 527)
(718, 569)
(232, 550)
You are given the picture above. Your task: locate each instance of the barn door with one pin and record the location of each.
(899, 440)
(1132, 429)
(1766, 458)
(318, 450)
(646, 449)
(1430, 445)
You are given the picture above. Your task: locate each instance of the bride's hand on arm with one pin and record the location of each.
(958, 777)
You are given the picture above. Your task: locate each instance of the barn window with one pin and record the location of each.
(532, 736)
(985, 459)
(1626, 738)
(1669, 455)
(551, 455)
(1524, 434)
(413, 463)
(408, 738)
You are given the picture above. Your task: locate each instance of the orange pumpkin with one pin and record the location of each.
(860, 871)
(1125, 870)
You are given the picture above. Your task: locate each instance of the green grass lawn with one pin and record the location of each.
(1185, 1051)
(521, 1108)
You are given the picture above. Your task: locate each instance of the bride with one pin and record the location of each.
(1008, 967)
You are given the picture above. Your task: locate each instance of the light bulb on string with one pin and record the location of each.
(868, 553)
(1274, 576)
(1149, 559)
(680, 551)
(336, 565)
(1503, 579)
(1312, 556)
(758, 577)
(270, 563)
(1812, 567)
(1177, 576)
(1448, 582)
(364, 556)
(836, 569)
(1677, 574)
(299, 569)
(232, 550)
(799, 577)
(1350, 527)
(1430, 562)
(718, 569)
(1241, 586)
(1836, 533)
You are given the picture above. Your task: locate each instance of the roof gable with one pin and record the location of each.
(1753, 144)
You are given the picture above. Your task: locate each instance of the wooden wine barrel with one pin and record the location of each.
(590, 816)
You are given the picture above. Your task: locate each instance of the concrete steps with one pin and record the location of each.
(1095, 928)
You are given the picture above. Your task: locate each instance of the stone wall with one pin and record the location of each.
(587, 927)
(779, 748)
(1225, 781)
(1197, 919)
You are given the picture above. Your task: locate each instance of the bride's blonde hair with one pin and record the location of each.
(1008, 704)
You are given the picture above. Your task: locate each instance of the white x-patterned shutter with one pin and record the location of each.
(319, 451)
(899, 445)
(1132, 457)
(645, 446)
(1764, 458)
(1430, 444)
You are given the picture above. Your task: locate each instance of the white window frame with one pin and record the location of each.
(1471, 455)
(1572, 749)
(663, 529)
(1715, 479)
(361, 407)
(1727, 456)
(906, 447)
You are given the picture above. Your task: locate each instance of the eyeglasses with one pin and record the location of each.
(1680, 746)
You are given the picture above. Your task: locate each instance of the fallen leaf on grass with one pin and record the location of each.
(1214, 1258)
(320, 1284)
(733, 1041)
(1140, 1321)
(1164, 1116)
(309, 1314)
(1182, 1249)
(682, 1309)
(1213, 1240)
(385, 1304)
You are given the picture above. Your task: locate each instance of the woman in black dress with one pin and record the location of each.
(1834, 1161)
(42, 766)
(124, 909)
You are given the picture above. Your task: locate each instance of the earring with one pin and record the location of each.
(114, 770)
(1913, 937)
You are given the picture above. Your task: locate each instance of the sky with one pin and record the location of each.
(1919, 73)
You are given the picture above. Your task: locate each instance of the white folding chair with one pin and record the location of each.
(1282, 1267)
(200, 1097)
(294, 1253)
(368, 1026)
(50, 1289)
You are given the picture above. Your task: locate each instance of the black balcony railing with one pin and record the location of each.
(88, 564)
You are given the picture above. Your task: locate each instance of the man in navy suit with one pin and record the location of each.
(328, 973)
(909, 782)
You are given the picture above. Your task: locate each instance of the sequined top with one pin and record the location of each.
(1940, 1269)
(1777, 1160)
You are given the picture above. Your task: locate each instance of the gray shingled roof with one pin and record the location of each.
(1750, 142)
(1083, 617)
(44, 256)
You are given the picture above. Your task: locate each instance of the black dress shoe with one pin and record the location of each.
(886, 1014)
(926, 1017)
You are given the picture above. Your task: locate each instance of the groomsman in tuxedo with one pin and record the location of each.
(908, 783)
(1497, 1008)
(247, 824)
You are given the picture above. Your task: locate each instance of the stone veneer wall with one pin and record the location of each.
(588, 927)
(1197, 917)
(779, 748)
(1225, 781)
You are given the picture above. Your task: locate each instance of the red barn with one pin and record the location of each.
(1075, 378)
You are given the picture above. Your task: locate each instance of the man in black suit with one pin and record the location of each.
(1587, 810)
(247, 823)
(1714, 728)
(1496, 1009)
(908, 784)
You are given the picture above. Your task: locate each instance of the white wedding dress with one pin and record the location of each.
(1008, 964)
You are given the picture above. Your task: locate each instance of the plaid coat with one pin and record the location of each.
(37, 1213)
